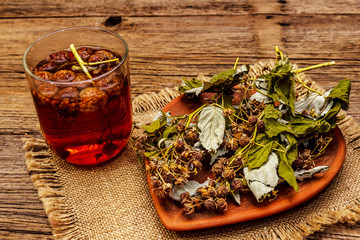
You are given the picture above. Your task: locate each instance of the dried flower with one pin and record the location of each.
(252, 120)
(221, 204)
(228, 174)
(232, 144)
(210, 204)
(222, 191)
(168, 178)
(217, 168)
(179, 145)
(237, 185)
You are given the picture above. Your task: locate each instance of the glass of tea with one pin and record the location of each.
(80, 83)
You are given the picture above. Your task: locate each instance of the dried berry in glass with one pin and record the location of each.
(85, 120)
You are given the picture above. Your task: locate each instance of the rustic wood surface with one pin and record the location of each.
(168, 39)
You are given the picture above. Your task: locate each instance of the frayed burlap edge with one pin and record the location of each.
(63, 219)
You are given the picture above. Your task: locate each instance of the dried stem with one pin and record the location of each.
(80, 61)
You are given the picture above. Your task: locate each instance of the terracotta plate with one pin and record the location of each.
(173, 217)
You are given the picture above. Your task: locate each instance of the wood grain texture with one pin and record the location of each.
(167, 40)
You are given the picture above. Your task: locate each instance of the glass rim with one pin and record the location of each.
(29, 72)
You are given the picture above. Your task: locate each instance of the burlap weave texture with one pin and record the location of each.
(112, 200)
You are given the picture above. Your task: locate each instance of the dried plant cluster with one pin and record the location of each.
(65, 67)
(254, 143)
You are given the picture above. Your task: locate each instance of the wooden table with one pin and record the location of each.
(168, 39)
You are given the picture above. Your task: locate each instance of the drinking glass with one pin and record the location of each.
(87, 121)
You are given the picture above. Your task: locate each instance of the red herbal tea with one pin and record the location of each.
(86, 118)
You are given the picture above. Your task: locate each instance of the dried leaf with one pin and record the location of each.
(236, 197)
(263, 180)
(341, 93)
(281, 84)
(303, 173)
(156, 125)
(191, 187)
(211, 124)
(286, 159)
(274, 125)
(191, 86)
(220, 152)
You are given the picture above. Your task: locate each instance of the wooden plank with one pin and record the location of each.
(21, 213)
(163, 49)
(59, 8)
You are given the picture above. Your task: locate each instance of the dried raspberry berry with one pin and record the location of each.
(252, 120)
(221, 204)
(59, 57)
(212, 183)
(191, 136)
(101, 55)
(196, 155)
(228, 174)
(298, 164)
(79, 78)
(44, 75)
(179, 145)
(184, 196)
(210, 204)
(69, 92)
(188, 210)
(64, 76)
(48, 66)
(186, 155)
(244, 140)
(217, 168)
(107, 83)
(200, 190)
(237, 185)
(261, 126)
(212, 192)
(180, 127)
(47, 89)
(204, 193)
(92, 99)
(237, 162)
(222, 191)
(168, 178)
(85, 53)
(232, 144)
(197, 164)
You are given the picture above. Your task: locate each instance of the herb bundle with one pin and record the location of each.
(252, 144)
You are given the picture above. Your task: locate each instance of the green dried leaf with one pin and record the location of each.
(211, 124)
(303, 126)
(273, 127)
(259, 153)
(149, 154)
(169, 130)
(341, 93)
(155, 125)
(286, 159)
(281, 84)
(226, 79)
(191, 86)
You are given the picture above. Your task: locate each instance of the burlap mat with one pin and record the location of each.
(112, 200)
